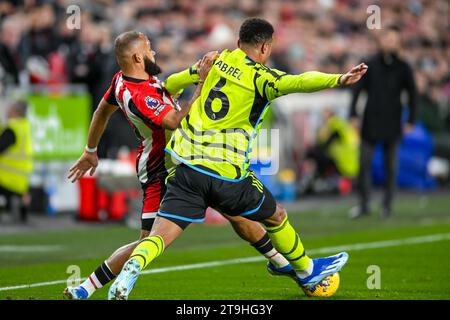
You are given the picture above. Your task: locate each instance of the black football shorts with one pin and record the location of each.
(190, 192)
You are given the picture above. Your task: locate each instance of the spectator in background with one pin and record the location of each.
(387, 77)
(16, 160)
(431, 116)
(39, 39)
(9, 62)
(333, 162)
(8, 70)
(84, 62)
(339, 141)
(118, 133)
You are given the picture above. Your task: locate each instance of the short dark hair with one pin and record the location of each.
(255, 31)
(123, 42)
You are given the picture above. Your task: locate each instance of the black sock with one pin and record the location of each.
(104, 274)
(263, 245)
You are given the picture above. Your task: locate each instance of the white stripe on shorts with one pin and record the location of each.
(149, 215)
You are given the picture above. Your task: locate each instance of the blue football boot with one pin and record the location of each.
(324, 267)
(75, 293)
(283, 271)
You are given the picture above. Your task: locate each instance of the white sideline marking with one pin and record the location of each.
(26, 248)
(348, 247)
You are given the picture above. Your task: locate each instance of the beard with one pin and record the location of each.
(151, 67)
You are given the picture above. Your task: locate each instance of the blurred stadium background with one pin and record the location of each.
(63, 72)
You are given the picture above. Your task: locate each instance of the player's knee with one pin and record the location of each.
(280, 214)
(277, 218)
(235, 219)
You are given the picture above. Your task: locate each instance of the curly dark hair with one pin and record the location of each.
(255, 31)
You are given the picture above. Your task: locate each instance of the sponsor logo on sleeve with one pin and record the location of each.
(152, 103)
(159, 109)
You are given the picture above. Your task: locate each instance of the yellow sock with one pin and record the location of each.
(288, 243)
(147, 250)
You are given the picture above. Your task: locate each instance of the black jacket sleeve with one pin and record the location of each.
(356, 90)
(7, 139)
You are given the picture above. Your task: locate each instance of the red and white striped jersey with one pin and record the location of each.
(145, 103)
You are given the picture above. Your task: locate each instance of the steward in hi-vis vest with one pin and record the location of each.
(16, 163)
(344, 149)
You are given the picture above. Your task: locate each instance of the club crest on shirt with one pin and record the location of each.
(151, 103)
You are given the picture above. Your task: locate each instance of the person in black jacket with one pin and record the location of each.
(387, 77)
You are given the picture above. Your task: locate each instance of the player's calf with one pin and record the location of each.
(163, 233)
(254, 233)
(286, 240)
(104, 274)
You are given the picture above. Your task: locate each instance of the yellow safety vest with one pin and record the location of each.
(16, 163)
(344, 151)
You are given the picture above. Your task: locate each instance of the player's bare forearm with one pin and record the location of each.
(197, 92)
(99, 122)
(89, 160)
(173, 119)
(203, 67)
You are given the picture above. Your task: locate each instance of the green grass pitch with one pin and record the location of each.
(415, 265)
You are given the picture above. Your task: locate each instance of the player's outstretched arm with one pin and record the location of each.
(177, 82)
(89, 160)
(312, 81)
